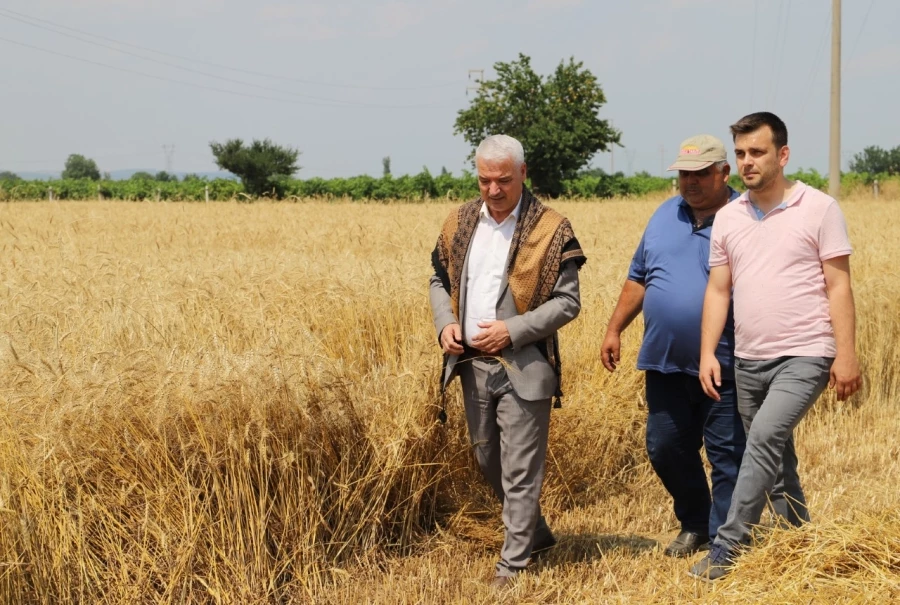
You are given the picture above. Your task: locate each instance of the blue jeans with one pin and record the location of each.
(682, 419)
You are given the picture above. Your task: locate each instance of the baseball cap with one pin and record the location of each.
(696, 153)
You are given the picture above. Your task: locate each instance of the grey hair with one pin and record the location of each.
(720, 166)
(500, 147)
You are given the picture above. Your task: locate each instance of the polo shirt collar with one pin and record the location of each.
(799, 190)
(795, 196)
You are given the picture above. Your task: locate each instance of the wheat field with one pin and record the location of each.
(236, 403)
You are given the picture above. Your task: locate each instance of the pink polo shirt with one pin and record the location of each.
(780, 302)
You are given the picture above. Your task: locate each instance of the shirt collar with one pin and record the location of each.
(515, 213)
(795, 196)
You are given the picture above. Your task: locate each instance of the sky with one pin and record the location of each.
(348, 82)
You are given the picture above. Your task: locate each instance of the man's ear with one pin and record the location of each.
(784, 154)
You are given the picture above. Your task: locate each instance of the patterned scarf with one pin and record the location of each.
(543, 242)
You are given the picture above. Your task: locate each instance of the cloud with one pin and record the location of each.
(393, 17)
(472, 48)
(661, 44)
(550, 5)
(329, 20)
(880, 61)
(689, 3)
(308, 21)
(131, 9)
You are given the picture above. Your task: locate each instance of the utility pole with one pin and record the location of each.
(612, 154)
(169, 150)
(629, 155)
(834, 158)
(477, 86)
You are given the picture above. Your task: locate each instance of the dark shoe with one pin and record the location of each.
(543, 547)
(717, 562)
(686, 544)
(502, 582)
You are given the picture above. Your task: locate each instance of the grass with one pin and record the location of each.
(232, 403)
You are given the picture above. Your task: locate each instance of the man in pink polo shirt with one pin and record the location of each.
(783, 249)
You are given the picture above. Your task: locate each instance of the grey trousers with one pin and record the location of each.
(773, 396)
(509, 436)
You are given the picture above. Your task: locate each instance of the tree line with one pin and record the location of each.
(555, 117)
(421, 186)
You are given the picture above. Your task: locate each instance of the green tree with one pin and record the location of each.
(141, 176)
(875, 160)
(6, 175)
(80, 167)
(262, 166)
(164, 177)
(386, 166)
(555, 118)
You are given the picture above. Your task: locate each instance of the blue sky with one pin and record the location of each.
(357, 81)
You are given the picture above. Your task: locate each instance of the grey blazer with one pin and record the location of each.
(531, 375)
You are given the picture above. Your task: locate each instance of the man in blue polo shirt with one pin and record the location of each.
(667, 280)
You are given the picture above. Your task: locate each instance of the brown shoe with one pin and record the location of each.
(502, 582)
(686, 544)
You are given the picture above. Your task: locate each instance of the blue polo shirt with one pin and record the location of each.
(672, 262)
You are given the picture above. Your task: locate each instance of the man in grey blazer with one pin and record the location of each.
(506, 280)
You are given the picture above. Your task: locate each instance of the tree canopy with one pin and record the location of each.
(262, 166)
(80, 167)
(875, 160)
(555, 118)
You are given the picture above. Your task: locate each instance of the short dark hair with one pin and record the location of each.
(754, 121)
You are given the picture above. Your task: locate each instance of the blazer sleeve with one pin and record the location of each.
(562, 307)
(441, 310)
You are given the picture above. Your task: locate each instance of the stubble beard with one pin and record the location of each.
(763, 182)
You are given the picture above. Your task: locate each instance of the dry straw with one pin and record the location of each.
(236, 403)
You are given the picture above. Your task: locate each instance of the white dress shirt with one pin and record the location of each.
(487, 262)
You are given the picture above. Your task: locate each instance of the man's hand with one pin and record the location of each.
(451, 339)
(845, 378)
(493, 338)
(609, 351)
(710, 376)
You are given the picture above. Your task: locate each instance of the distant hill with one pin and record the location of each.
(124, 174)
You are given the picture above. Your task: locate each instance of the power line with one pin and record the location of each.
(210, 88)
(478, 80)
(861, 28)
(775, 51)
(815, 68)
(787, 21)
(230, 68)
(187, 69)
(753, 56)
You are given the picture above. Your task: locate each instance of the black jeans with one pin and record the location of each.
(682, 419)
